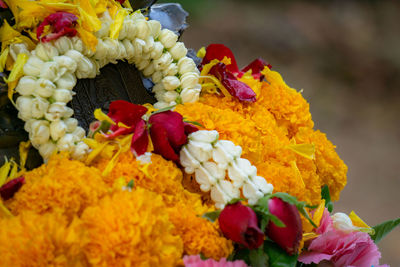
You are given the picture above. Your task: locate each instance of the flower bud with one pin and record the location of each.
(77, 44)
(66, 143)
(66, 62)
(85, 69)
(143, 29)
(143, 64)
(343, 222)
(240, 224)
(40, 132)
(33, 66)
(46, 51)
(205, 136)
(149, 70)
(44, 88)
(80, 151)
(189, 95)
(57, 129)
(288, 237)
(157, 76)
(68, 112)
(47, 149)
(163, 62)
(112, 48)
(189, 80)
(71, 124)
(67, 81)
(79, 133)
(170, 96)
(130, 50)
(16, 49)
(157, 51)
(168, 38)
(75, 55)
(28, 125)
(185, 65)
(161, 104)
(63, 44)
(26, 85)
(62, 95)
(178, 51)
(51, 71)
(138, 45)
(171, 70)
(122, 54)
(149, 44)
(155, 28)
(24, 106)
(57, 110)
(171, 83)
(39, 107)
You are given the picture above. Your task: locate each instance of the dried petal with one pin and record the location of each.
(61, 23)
(8, 190)
(140, 139)
(219, 51)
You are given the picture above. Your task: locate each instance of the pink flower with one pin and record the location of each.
(196, 261)
(340, 248)
(62, 23)
(240, 224)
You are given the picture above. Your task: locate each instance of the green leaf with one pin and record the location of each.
(258, 257)
(195, 123)
(163, 109)
(131, 184)
(381, 230)
(327, 196)
(235, 200)
(211, 216)
(278, 257)
(276, 221)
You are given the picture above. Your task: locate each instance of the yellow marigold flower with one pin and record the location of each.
(61, 184)
(130, 229)
(30, 239)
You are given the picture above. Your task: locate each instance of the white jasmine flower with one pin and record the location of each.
(189, 95)
(47, 149)
(26, 85)
(75, 55)
(200, 150)
(155, 28)
(112, 48)
(237, 175)
(63, 95)
(342, 222)
(204, 136)
(101, 50)
(143, 64)
(263, 186)
(188, 161)
(251, 192)
(178, 51)
(157, 51)
(46, 51)
(44, 88)
(85, 69)
(130, 50)
(122, 54)
(40, 132)
(66, 143)
(79, 133)
(160, 95)
(157, 77)
(185, 65)
(57, 110)
(33, 66)
(163, 62)
(189, 79)
(171, 70)
(51, 71)
(168, 38)
(148, 71)
(71, 124)
(170, 96)
(138, 45)
(222, 193)
(159, 87)
(161, 104)
(149, 44)
(225, 152)
(24, 106)
(80, 151)
(77, 44)
(39, 107)
(16, 49)
(68, 112)
(28, 124)
(66, 62)
(246, 167)
(171, 83)
(57, 129)
(63, 44)
(67, 81)
(143, 29)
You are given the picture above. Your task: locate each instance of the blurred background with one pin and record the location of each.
(345, 55)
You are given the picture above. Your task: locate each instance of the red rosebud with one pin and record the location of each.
(240, 224)
(167, 133)
(219, 51)
(8, 189)
(140, 139)
(189, 128)
(61, 23)
(127, 113)
(288, 237)
(236, 88)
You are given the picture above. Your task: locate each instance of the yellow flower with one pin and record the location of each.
(130, 229)
(61, 184)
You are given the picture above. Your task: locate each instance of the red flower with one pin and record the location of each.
(228, 74)
(167, 132)
(3, 5)
(8, 189)
(121, 1)
(287, 237)
(240, 224)
(61, 24)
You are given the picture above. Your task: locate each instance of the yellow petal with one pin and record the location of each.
(116, 26)
(3, 59)
(95, 152)
(111, 163)
(145, 169)
(298, 173)
(23, 153)
(4, 212)
(201, 53)
(14, 170)
(318, 213)
(119, 183)
(7, 34)
(357, 221)
(88, 38)
(16, 73)
(88, 16)
(101, 116)
(4, 170)
(305, 150)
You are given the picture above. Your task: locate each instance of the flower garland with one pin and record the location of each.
(53, 67)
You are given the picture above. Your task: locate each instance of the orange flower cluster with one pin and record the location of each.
(266, 130)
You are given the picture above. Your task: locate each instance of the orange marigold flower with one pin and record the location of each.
(61, 184)
(31, 239)
(130, 229)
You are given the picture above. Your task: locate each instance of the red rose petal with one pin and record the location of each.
(8, 189)
(189, 128)
(61, 22)
(256, 66)
(219, 51)
(236, 88)
(161, 144)
(140, 139)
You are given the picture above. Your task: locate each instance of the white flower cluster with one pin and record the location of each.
(52, 70)
(213, 160)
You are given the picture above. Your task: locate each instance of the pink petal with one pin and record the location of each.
(196, 261)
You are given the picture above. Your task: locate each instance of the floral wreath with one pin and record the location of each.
(52, 44)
